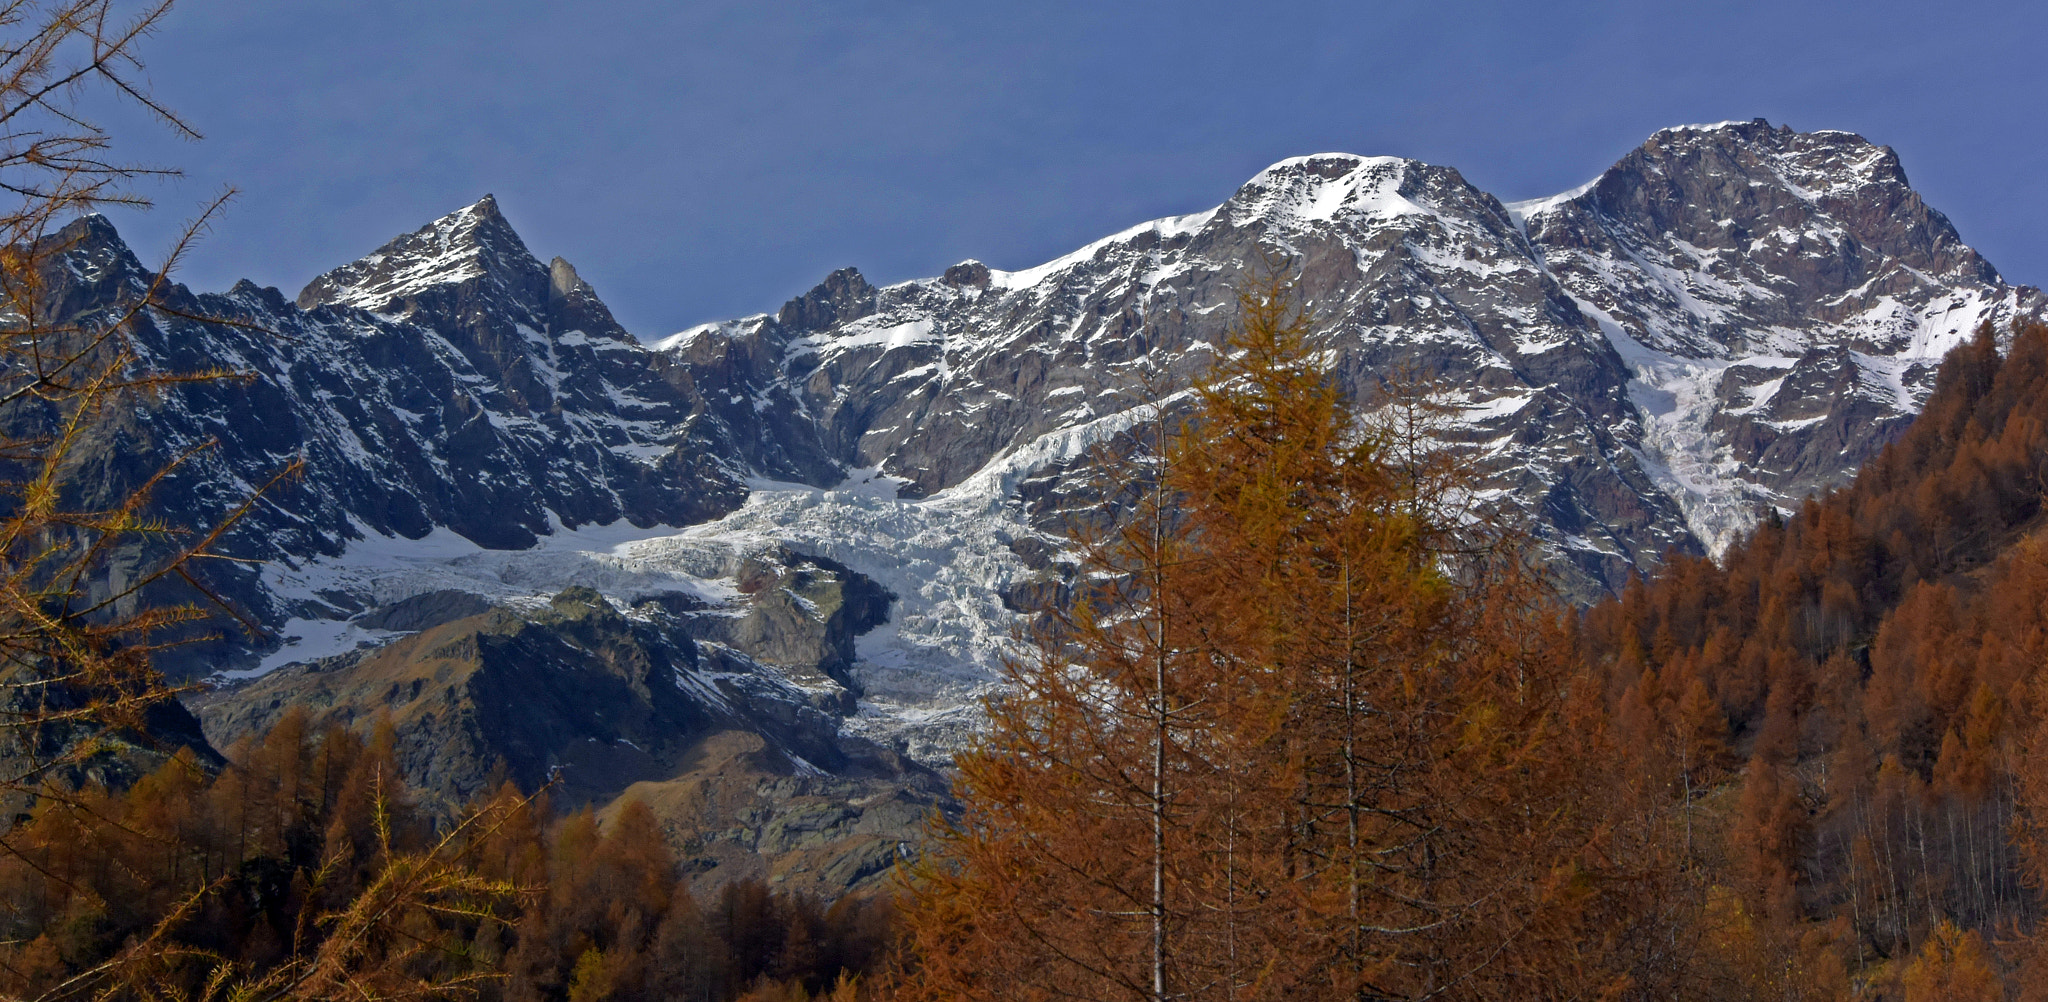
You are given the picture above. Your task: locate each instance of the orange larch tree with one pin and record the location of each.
(1305, 733)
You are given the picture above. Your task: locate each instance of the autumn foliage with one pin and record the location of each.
(302, 870)
(1305, 738)
(1848, 705)
(1315, 732)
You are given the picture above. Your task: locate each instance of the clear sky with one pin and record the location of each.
(698, 161)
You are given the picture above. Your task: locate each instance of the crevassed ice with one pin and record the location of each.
(946, 558)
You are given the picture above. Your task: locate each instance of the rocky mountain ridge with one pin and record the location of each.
(1730, 317)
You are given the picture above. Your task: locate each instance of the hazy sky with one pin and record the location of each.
(698, 161)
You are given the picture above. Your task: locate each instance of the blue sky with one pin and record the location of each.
(699, 161)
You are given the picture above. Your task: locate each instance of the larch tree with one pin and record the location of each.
(1298, 735)
(82, 616)
(78, 630)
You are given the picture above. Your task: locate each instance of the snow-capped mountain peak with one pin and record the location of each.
(1305, 191)
(474, 243)
(1781, 298)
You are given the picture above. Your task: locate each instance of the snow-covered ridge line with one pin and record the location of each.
(1522, 210)
(1686, 303)
(1166, 227)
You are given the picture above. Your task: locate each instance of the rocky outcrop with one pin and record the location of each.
(734, 813)
(92, 751)
(579, 691)
(677, 703)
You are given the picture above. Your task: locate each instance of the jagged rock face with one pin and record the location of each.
(449, 380)
(1729, 318)
(1778, 230)
(1782, 298)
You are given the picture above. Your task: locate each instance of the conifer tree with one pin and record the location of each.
(76, 638)
(1295, 740)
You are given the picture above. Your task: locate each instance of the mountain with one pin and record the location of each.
(1781, 300)
(1406, 265)
(1729, 318)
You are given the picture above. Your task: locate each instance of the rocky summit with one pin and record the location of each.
(850, 499)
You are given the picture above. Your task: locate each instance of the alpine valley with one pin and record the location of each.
(758, 573)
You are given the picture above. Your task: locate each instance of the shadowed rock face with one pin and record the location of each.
(449, 380)
(79, 755)
(742, 759)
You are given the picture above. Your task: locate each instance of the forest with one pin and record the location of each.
(1358, 751)
(1312, 724)
(301, 870)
